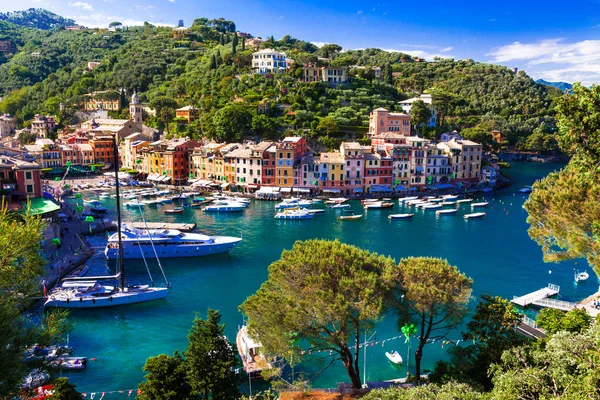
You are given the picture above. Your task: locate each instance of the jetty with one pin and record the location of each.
(537, 296)
(528, 327)
(164, 225)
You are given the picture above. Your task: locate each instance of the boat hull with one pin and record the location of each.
(118, 299)
(132, 250)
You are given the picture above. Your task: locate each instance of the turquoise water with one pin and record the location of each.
(495, 252)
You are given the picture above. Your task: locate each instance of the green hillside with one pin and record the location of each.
(212, 72)
(36, 18)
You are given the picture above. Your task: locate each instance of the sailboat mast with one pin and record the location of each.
(121, 263)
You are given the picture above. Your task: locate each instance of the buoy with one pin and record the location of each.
(549, 271)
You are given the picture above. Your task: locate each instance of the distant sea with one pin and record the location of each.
(495, 252)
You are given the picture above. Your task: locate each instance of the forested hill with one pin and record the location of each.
(211, 69)
(36, 18)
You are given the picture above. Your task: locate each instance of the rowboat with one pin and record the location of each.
(446, 212)
(405, 199)
(315, 211)
(448, 203)
(338, 205)
(175, 210)
(400, 216)
(350, 217)
(450, 197)
(378, 204)
(431, 206)
(464, 201)
(482, 204)
(475, 215)
(437, 200)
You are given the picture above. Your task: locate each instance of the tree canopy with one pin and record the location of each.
(325, 292)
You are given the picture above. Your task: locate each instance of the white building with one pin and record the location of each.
(269, 61)
(448, 136)
(425, 98)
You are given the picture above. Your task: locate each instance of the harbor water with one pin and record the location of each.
(495, 252)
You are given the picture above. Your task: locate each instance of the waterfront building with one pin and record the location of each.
(269, 61)
(438, 168)
(224, 165)
(489, 176)
(167, 161)
(425, 98)
(288, 155)
(310, 175)
(371, 170)
(130, 151)
(102, 100)
(8, 126)
(353, 153)
(465, 159)
(103, 149)
(332, 175)
(381, 121)
(19, 178)
(69, 154)
(269, 166)
(417, 160)
(42, 125)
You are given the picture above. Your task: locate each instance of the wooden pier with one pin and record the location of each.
(163, 225)
(532, 298)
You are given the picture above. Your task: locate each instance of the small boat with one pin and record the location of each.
(475, 215)
(72, 363)
(350, 217)
(525, 189)
(134, 204)
(290, 213)
(405, 199)
(450, 197)
(448, 203)
(431, 206)
(316, 211)
(436, 200)
(79, 271)
(317, 200)
(581, 276)
(394, 357)
(378, 204)
(387, 199)
(482, 204)
(338, 205)
(104, 195)
(447, 212)
(400, 216)
(90, 201)
(98, 209)
(292, 203)
(174, 210)
(250, 352)
(195, 204)
(464, 201)
(416, 202)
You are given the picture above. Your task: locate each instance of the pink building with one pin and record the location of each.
(381, 121)
(354, 158)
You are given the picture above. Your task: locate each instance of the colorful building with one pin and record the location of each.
(333, 175)
(20, 179)
(288, 155)
(465, 159)
(269, 61)
(381, 121)
(189, 113)
(353, 153)
(103, 100)
(103, 148)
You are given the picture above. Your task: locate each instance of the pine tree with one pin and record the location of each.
(234, 44)
(211, 361)
(221, 41)
(388, 77)
(227, 38)
(213, 62)
(219, 59)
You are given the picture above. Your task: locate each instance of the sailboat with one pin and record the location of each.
(89, 292)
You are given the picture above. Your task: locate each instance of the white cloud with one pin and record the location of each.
(446, 49)
(82, 5)
(171, 1)
(101, 20)
(555, 59)
(359, 12)
(420, 53)
(319, 44)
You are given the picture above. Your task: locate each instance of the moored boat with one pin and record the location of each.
(431, 206)
(174, 210)
(449, 211)
(581, 276)
(474, 215)
(249, 350)
(482, 204)
(394, 357)
(350, 217)
(400, 216)
(460, 201)
(294, 213)
(224, 206)
(168, 243)
(338, 205)
(378, 204)
(405, 199)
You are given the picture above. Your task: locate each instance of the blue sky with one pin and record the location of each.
(549, 39)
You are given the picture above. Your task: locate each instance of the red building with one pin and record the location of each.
(103, 149)
(20, 178)
(269, 166)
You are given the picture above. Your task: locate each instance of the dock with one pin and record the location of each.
(529, 328)
(163, 225)
(537, 296)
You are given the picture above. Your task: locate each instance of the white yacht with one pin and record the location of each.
(294, 213)
(293, 202)
(168, 243)
(225, 206)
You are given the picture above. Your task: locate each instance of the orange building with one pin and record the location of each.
(189, 113)
(102, 148)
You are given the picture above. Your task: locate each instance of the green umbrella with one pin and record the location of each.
(57, 179)
(56, 242)
(93, 168)
(79, 209)
(78, 195)
(68, 163)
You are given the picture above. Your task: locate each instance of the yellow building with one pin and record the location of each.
(284, 161)
(465, 159)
